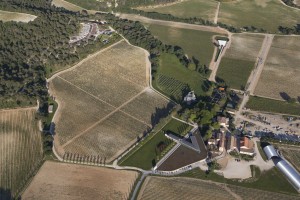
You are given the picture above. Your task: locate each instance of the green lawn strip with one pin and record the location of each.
(192, 8)
(261, 152)
(172, 68)
(146, 155)
(272, 180)
(235, 72)
(271, 105)
(198, 44)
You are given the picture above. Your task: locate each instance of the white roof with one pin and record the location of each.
(222, 42)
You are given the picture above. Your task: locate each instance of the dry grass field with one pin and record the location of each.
(66, 5)
(258, 13)
(181, 188)
(297, 2)
(281, 71)
(69, 181)
(20, 149)
(188, 8)
(238, 62)
(15, 16)
(105, 103)
(254, 194)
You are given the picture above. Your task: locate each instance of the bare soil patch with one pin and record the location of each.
(69, 181)
(15, 16)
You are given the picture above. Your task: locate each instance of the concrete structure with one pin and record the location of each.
(50, 109)
(190, 98)
(183, 141)
(286, 168)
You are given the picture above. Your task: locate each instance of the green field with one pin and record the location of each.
(173, 78)
(270, 105)
(272, 180)
(90, 4)
(259, 13)
(235, 72)
(145, 154)
(194, 8)
(198, 44)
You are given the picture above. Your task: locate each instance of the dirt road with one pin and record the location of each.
(254, 77)
(174, 24)
(217, 13)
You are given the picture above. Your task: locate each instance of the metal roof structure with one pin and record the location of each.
(270, 152)
(286, 168)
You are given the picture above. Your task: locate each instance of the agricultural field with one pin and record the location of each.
(249, 193)
(259, 13)
(195, 43)
(105, 103)
(273, 106)
(66, 5)
(6, 16)
(146, 154)
(21, 151)
(182, 188)
(186, 9)
(175, 80)
(70, 181)
(239, 59)
(292, 154)
(280, 75)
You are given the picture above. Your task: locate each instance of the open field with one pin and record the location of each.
(175, 80)
(239, 59)
(297, 2)
(258, 13)
(292, 154)
(21, 150)
(6, 16)
(182, 188)
(195, 43)
(186, 9)
(281, 71)
(273, 106)
(66, 5)
(105, 103)
(143, 155)
(69, 181)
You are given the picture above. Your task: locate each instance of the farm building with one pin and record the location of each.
(218, 140)
(242, 144)
(223, 121)
(192, 144)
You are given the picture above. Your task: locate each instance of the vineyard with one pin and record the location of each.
(172, 86)
(105, 105)
(181, 188)
(20, 150)
(69, 181)
(248, 193)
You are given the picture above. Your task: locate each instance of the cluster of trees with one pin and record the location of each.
(290, 30)
(29, 51)
(290, 3)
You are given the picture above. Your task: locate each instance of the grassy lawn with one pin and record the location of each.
(270, 105)
(260, 14)
(173, 78)
(193, 8)
(261, 152)
(235, 72)
(145, 155)
(272, 180)
(195, 43)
